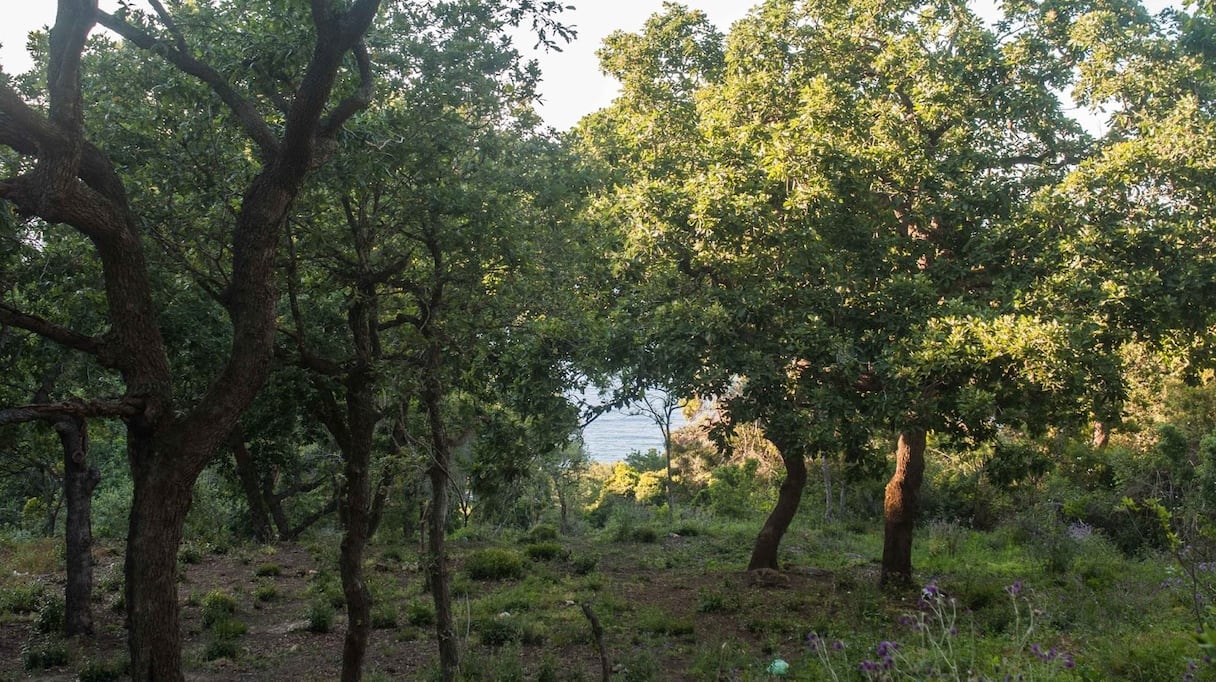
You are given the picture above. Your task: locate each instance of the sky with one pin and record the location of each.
(573, 85)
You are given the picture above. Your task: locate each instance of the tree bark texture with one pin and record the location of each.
(764, 552)
(158, 512)
(900, 507)
(79, 481)
(246, 471)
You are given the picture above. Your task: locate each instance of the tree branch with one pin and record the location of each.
(356, 102)
(50, 330)
(253, 123)
(127, 407)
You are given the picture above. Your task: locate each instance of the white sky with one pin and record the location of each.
(573, 84)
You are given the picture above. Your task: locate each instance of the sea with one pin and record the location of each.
(616, 434)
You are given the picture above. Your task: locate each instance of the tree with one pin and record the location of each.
(71, 181)
(835, 215)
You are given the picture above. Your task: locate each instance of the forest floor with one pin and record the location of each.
(673, 605)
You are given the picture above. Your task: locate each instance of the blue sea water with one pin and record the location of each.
(614, 435)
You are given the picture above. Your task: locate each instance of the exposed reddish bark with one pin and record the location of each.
(900, 507)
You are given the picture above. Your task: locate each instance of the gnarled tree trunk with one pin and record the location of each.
(900, 507)
(764, 552)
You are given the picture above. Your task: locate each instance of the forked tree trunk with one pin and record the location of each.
(900, 508)
(79, 481)
(764, 552)
(158, 512)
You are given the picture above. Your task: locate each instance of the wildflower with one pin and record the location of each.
(1015, 588)
(837, 645)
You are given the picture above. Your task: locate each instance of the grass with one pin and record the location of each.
(680, 608)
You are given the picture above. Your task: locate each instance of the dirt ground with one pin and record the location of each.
(664, 607)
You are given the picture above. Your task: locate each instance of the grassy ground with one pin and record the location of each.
(672, 599)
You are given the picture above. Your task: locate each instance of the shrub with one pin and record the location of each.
(268, 570)
(266, 592)
(646, 534)
(494, 563)
(584, 564)
(544, 551)
(190, 554)
(545, 532)
(218, 605)
(103, 671)
(420, 613)
(40, 657)
(320, 617)
(384, 616)
(23, 598)
(220, 647)
(49, 617)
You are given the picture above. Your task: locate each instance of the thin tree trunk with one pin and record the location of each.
(79, 481)
(354, 506)
(439, 475)
(900, 508)
(827, 488)
(1101, 435)
(764, 552)
(259, 518)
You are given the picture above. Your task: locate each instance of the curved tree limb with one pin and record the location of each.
(126, 407)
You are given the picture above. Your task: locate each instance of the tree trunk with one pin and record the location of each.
(79, 481)
(1101, 435)
(827, 487)
(764, 552)
(259, 518)
(900, 507)
(354, 505)
(437, 568)
(158, 511)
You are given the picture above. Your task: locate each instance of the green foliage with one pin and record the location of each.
(384, 615)
(266, 592)
(268, 570)
(21, 597)
(419, 613)
(37, 656)
(733, 490)
(50, 614)
(217, 606)
(110, 670)
(494, 563)
(545, 551)
(320, 617)
(544, 532)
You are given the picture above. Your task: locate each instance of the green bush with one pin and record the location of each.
(545, 551)
(419, 613)
(103, 671)
(218, 605)
(49, 617)
(21, 598)
(494, 563)
(733, 490)
(267, 592)
(220, 647)
(42, 656)
(268, 570)
(384, 616)
(545, 532)
(320, 617)
(584, 564)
